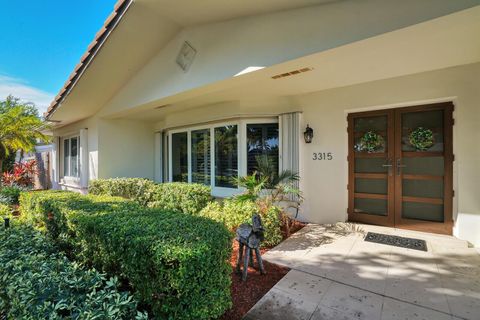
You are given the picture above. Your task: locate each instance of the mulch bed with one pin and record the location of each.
(246, 294)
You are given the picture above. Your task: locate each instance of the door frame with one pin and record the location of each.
(394, 218)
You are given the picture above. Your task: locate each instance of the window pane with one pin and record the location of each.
(201, 156)
(179, 157)
(226, 156)
(66, 154)
(74, 157)
(262, 140)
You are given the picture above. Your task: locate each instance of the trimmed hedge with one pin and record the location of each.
(177, 263)
(175, 196)
(136, 189)
(38, 283)
(181, 197)
(232, 213)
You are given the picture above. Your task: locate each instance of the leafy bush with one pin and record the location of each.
(136, 189)
(176, 196)
(10, 194)
(38, 283)
(177, 263)
(21, 175)
(181, 197)
(232, 213)
(4, 211)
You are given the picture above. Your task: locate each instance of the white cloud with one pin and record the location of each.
(20, 89)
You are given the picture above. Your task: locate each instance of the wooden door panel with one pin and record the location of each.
(423, 183)
(371, 169)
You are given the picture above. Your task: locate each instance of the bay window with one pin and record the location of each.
(216, 154)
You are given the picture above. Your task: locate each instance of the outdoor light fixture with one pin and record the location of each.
(308, 134)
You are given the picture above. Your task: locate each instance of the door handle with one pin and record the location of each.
(399, 166)
(388, 165)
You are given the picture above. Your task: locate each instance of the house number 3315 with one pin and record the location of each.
(322, 156)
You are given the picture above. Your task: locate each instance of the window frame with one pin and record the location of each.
(69, 176)
(241, 150)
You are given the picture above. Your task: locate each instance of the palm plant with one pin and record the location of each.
(268, 187)
(20, 128)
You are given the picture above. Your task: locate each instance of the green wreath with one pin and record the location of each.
(421, 138)
(371, 142)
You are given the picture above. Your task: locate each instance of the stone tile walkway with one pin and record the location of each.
(337, 275)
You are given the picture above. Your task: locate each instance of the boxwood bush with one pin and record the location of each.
(136, 189)
(175, 196)
(36, 282)
(177, 263)
(181, 197)
(233, 212)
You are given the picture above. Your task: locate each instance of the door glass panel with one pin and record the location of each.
(377, 207)
(370, 165)
(179, 157)
(377, 186)
(422, 211)
(226, 156)
(424, 165)
(423, 188)
(201, 156)
(370, 134)
(422, 131)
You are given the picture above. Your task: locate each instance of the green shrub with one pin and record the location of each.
(4, 211)
(177, 263)
(9, 194)
(46, 211)
(176, 196)
(181, 197)
(232, 213)
(136, 189)
(38, 283)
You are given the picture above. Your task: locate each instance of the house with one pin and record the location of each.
(194, 90)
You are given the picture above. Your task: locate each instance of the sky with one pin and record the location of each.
(42, 41)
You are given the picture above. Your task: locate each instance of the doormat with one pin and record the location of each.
(397, 241)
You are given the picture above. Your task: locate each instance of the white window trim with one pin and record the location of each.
(241, 124)
(66, 179)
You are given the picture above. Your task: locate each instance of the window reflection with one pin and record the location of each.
(226, 156)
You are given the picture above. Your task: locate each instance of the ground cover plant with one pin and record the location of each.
(37, 282)
(175, 263)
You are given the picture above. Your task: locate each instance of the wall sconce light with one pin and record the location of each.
(308, 134)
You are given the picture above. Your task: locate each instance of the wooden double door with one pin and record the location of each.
(400, 167)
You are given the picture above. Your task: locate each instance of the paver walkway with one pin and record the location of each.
(337, 275)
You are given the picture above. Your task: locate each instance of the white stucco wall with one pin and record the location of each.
(126, 149)
(324, 182)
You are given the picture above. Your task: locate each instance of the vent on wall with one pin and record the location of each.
(291, 73)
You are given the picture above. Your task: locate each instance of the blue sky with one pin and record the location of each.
(42, 41)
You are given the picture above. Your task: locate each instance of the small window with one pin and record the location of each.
(226, 156)
(179, 157)
(201, 156)
(262, 140)
(71, 157)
